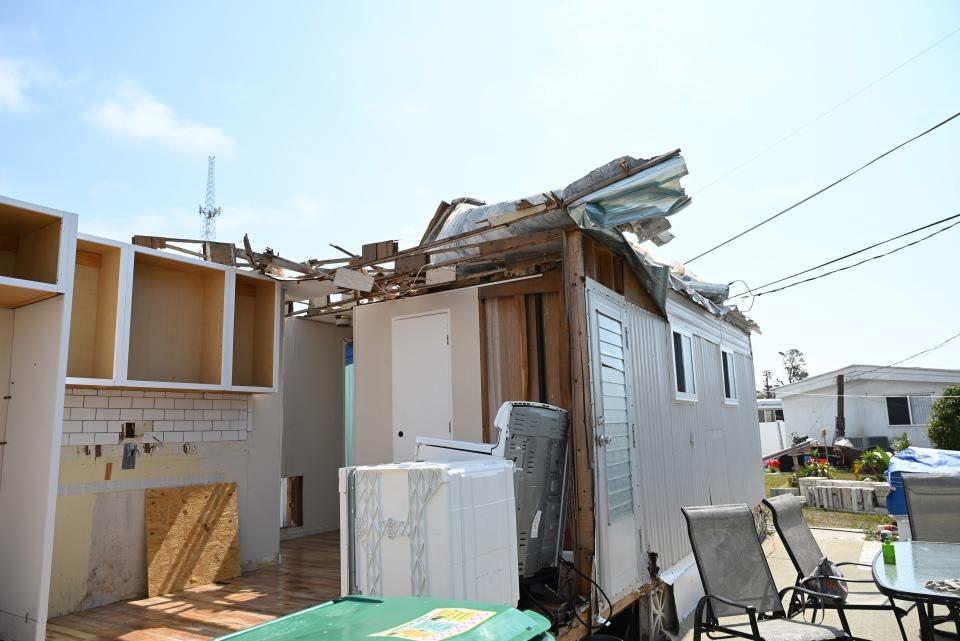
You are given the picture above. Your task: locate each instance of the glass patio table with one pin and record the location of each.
(917, 563)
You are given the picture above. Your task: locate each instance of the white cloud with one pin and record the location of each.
(133, 114)
(16, 76)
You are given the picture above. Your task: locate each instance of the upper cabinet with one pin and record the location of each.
(33, 240)
(144, 318)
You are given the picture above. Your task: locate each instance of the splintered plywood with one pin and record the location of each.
(192, 536)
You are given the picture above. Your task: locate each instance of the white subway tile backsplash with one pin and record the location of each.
(96, 401)
(96, 416)
(106, 414)
(70, 400)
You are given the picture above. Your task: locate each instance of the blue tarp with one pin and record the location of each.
(917, 459)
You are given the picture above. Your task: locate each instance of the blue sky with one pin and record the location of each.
(348, 122)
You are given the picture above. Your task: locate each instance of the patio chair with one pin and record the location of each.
(737, 581)
(933, 503)
(805, 553)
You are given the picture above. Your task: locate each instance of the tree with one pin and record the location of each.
(794, 365)
(769, 384)
(944, 429)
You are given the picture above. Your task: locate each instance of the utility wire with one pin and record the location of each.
(857, 264)
(845, 256)
(908, 358)
(823, 189)
(826, 113)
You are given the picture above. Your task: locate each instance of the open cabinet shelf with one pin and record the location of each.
(93, 319)
(29, 255)
(176, 322)
(254, 319)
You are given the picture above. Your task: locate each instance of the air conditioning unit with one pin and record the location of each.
(534, 437)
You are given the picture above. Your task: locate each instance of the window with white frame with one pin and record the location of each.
(729, 377)
(686, 383)
(911, 409)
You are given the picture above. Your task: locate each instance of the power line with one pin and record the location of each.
(845, 256)
(827, 112)
(857, 264)
(908, 358)
(820, 191)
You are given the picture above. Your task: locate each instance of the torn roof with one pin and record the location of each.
(626, 195)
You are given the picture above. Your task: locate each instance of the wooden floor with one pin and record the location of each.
(310, 574)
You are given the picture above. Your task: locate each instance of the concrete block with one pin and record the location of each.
(142, 402)
(173, 415)
(108, 392)
(183, 403)
(163, 403)
(777, 491)
(193, 415)
(96, 401)
(120, 402)
(212, 435)
(173, 437)
(72, 426)
(153, 415)
(183, 426)
(82, 439)
(131, 414)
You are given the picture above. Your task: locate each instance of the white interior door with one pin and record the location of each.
(422, 387)
(617, 534)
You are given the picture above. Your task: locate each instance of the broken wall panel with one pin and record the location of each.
(192, 536)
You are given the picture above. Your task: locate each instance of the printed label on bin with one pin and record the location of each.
(438, 624)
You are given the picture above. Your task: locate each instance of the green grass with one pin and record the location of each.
(776, 480)
(848, 520)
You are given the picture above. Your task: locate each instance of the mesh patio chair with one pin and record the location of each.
(805, 553)
(737, 581)
(933, 503)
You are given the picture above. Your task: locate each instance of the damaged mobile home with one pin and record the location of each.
(550, 299)
(148, 383)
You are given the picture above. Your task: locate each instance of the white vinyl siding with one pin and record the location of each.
(729, 376)
(616, 426)
(914, 409)
(683, 366)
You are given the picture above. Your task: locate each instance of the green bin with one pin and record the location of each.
(401, 618)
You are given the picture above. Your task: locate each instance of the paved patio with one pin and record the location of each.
(842, 545)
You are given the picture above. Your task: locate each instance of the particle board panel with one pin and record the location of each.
(14, 295)
(192, 536)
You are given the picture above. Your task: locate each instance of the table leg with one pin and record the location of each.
(926, 630)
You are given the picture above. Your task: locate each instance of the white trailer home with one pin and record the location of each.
(880, 403)
(545, 299)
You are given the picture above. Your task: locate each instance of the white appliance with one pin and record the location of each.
(444, 530)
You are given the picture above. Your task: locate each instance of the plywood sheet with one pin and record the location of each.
(192, 536)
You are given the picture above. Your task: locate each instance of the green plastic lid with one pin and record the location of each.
(402, 618)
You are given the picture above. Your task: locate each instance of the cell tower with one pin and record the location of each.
(209, 211)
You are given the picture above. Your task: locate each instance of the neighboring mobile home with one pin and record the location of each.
(546, 299)
(880, 403)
